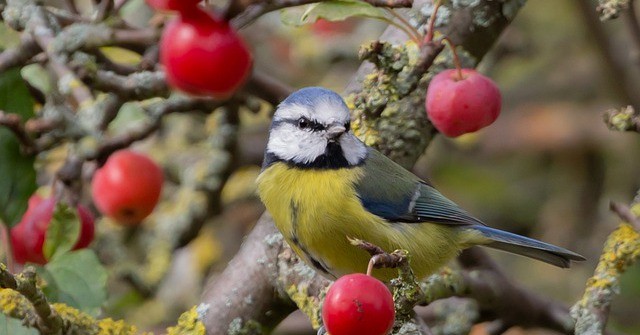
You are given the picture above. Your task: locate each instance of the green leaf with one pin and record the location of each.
(129, 114)
(77, 279)
(63, 231)
(335, 10)
(11, 326)
(17, 173)
(38, 77)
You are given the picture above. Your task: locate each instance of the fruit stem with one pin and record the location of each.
(456, 59)
(372, 262)
(403, 28)
(432, 22)
(415, 36)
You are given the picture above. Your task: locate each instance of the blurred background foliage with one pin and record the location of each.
(547, 168)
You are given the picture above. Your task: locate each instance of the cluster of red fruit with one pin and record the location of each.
(201, 54)
(126, 188)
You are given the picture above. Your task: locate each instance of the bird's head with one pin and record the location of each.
(311, 129)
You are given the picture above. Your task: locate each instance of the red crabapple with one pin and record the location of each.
(458, 106)
(203, 55)
(127, 187)
(358, 304)
(28, 236)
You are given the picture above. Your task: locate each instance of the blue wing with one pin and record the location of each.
(393, 193)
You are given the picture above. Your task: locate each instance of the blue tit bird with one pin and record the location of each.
(322, 186)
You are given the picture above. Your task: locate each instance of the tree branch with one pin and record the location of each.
(48, 321)
(136, 86)
(38, 25)
(20, 54)
(14, 123)
(621, 250)
(619, 77)
(267, 88)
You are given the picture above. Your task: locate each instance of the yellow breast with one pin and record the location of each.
(317, 210)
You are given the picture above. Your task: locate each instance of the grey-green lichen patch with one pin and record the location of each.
(442, 17)
(273, 240)
(482, 13)
(79, 36)
(409, 328)
(455, 316)
(610, 9)
(465, 3)
(248, 300)
(18, 13)
(589, 323)
(303, 270)
(250, 327)
(202, 310)
(443, 284)
(141, 80)
(91, 115)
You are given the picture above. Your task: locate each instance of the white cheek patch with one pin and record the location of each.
(353, 149)
(288, 142)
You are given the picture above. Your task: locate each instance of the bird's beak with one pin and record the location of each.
(334, 131)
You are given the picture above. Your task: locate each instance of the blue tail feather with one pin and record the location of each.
(529, 247)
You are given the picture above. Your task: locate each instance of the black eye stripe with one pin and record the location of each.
(307, 124)
(304, 123)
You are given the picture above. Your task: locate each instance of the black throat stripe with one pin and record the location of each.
(332, 159)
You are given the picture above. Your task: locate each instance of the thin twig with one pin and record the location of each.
(624, 212)
(104, 10)
(108, 146)
(432, 22)
(14, 123)
(414, 33)
(20, 54)
(407, 30)
(70, 5)
(618, 73)
(267, 88)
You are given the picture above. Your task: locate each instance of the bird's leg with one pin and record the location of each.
(379, 257)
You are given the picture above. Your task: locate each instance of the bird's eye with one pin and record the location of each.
(303, 123)
(347, 125)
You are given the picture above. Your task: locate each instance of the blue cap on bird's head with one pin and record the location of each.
(316, 104)
(310, 96)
